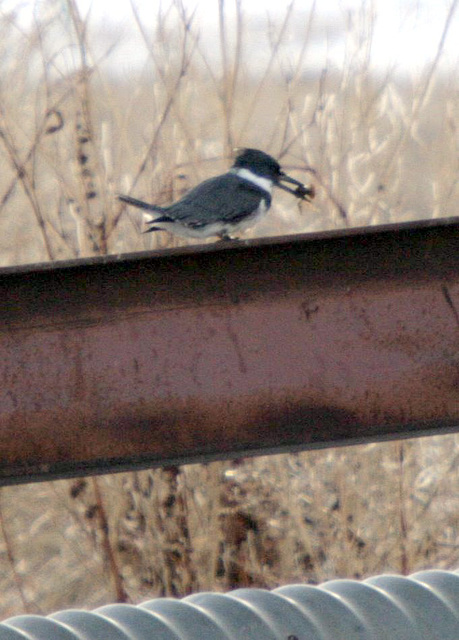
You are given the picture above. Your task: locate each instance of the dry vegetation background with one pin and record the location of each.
(74, 130)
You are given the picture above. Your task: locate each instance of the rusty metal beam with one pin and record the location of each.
(229, 350)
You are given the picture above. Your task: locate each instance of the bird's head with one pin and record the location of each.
(266, 166)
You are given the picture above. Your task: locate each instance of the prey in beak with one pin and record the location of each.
(302, 191)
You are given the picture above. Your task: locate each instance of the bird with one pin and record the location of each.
(225, 205)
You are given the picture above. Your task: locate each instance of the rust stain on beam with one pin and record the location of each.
(229, 350)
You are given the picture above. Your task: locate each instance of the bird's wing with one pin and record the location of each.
(223, 199)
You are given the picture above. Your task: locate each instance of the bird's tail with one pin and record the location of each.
(140, 204)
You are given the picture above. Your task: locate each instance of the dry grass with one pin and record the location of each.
(379, 147)
(350, 512)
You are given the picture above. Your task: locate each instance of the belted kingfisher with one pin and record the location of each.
(226, 204)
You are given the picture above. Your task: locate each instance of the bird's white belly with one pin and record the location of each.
(215, 228)
(244, 224)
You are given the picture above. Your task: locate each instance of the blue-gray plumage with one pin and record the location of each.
(229, 203)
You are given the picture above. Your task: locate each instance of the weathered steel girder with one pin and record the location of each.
(229, 350)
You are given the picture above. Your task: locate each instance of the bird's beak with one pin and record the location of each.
(302, 191)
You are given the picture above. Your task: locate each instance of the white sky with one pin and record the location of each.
(406, 32)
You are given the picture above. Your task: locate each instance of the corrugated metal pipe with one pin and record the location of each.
(424, 606)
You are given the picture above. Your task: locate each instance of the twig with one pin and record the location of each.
(11, 559)
(121, 595)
